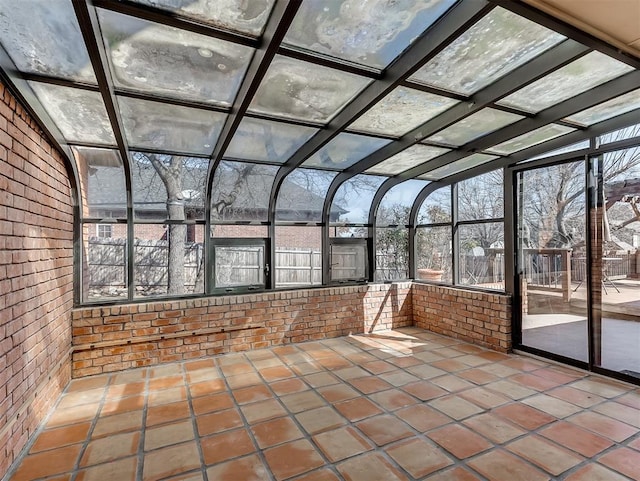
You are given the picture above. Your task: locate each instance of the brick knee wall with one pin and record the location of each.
(115, 338)
(477, 317)
(36, 266)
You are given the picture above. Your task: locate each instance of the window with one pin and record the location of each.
(481, 231)
(103, 231)
(348, 259)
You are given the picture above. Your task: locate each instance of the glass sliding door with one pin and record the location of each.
(552, 260)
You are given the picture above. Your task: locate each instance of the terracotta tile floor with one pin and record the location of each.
(399, 405)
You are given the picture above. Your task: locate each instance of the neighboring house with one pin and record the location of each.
(240, 193)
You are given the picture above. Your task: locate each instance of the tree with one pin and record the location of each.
(553, 207)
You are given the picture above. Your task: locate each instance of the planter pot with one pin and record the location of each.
(430, 275)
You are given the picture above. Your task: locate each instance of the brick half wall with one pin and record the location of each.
(110, 339)
(477, 317)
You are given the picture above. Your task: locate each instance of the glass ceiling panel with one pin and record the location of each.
(497, 44)
(241, 191)
(354, 198)
(529, 139)
(239, 15)
(345, 150)
(458, 166)
(102, 180)
(301, 90)
(79, 114)
(401, 111)
(149, 57)
(579, 76)
(621, 134)
(302, 195)
(395, 206)
(171, 127)
(44, 37)
(408, 158)
(258, 139)
(371, 33)
(606, 110)
(149, 173)
(481, 123)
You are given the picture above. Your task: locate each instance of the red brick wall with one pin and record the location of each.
(36, 265)
(115, 338)
(477, 317)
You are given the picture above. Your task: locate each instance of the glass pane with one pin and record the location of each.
(476, 125)
(102, 181)
(104, 273)
(436, 207)
(301, 90)
(241, 191)
(481, 261)
(302, 196)
(622, 134)
(44, 37)
(551, 240)
(154, 58)
(298, 259)
(392, 253)
(612, 108)
(354, 198)
(258, 139)
(617, 333)
(239, 15)
(530, 139)
(499, 43)
(579, 76)
(151, 259)
(569, 148)
(79, 114)
(433, 254)
(239, 265)
(168, 259)
(396, 204)
(408, 158)
(345, 150)
(401, 111)
(168, 186)
(469, 162)
(481, 197)
(348, 261)
(171, 127)
(369, 33)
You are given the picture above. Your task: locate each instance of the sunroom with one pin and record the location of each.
(320, 240)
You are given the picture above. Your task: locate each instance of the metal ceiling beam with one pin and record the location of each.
(276, 28)
(281, 17)
(527, 11)
(590, 98)
(461, 17)
(537, 68)
(410, 84)
(90, 29)
(326, 61)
